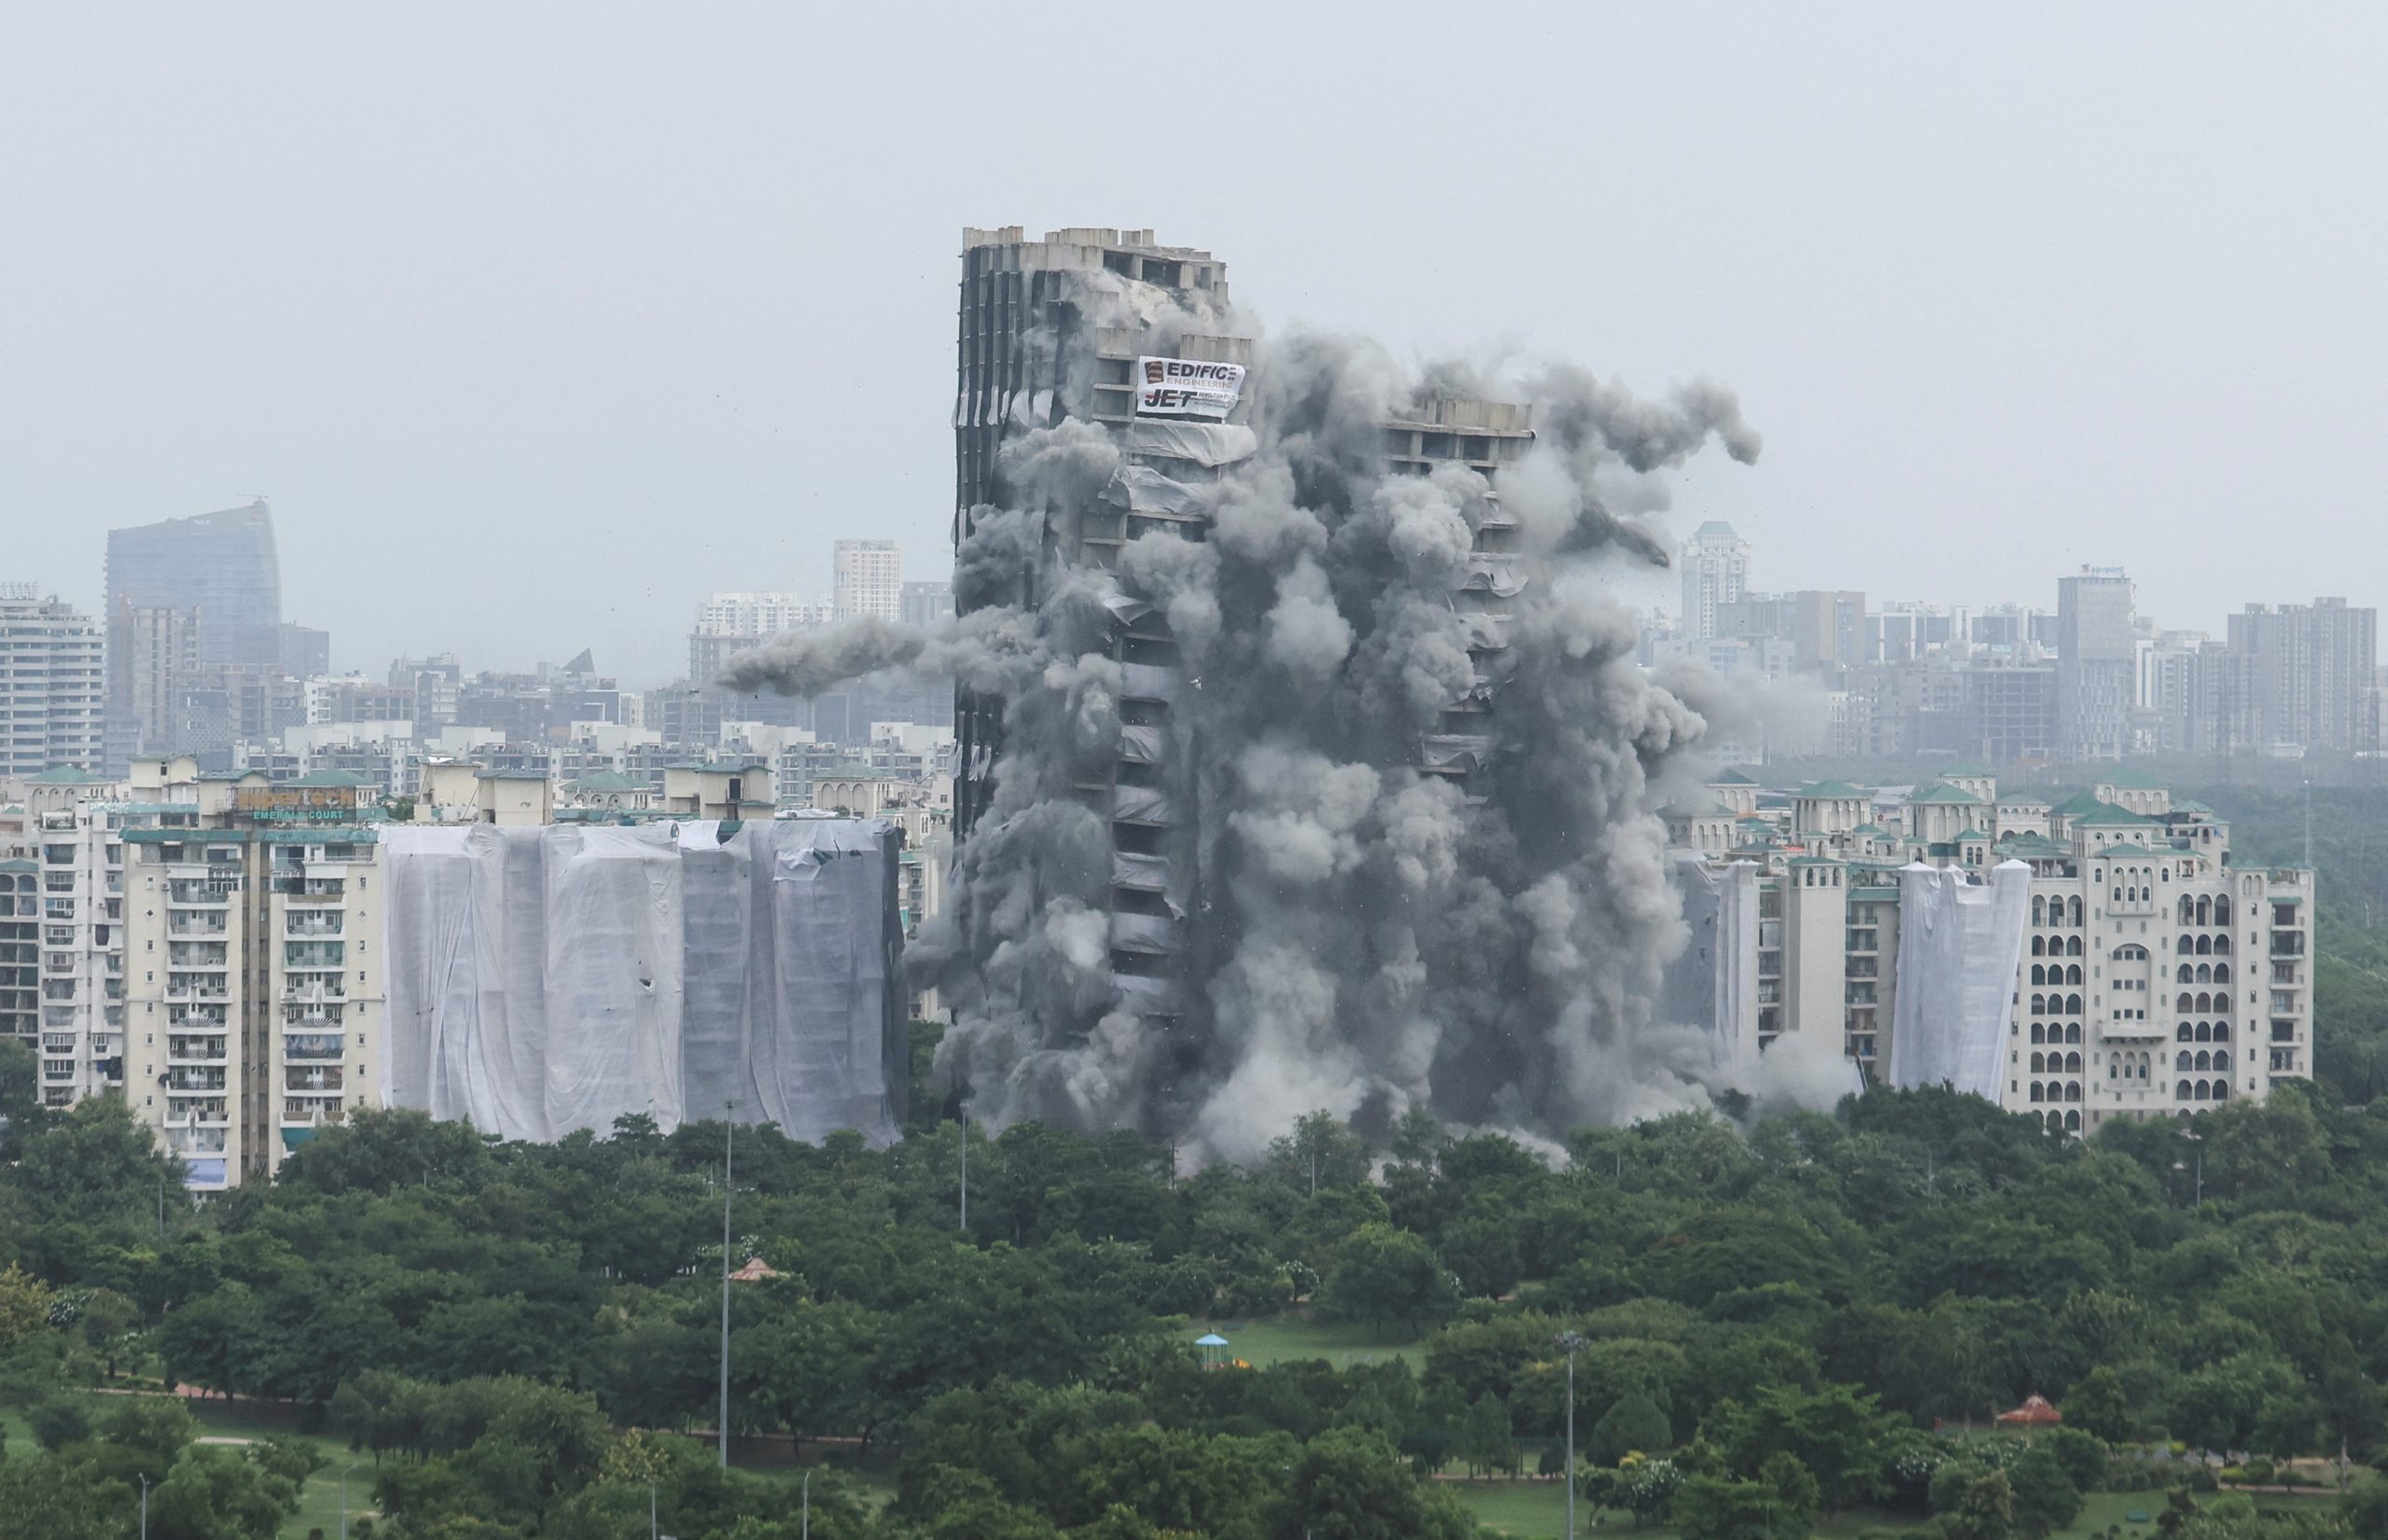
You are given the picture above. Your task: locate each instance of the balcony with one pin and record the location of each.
(311, 1045)
(198, 895)
(194, 1080)
(196, 1143)
(190, 987)
(311, 1016)
(312, 1079)
(302, 1110)
(312, 989)
(197, 1113)
(195, 1050)
(318, 922)
(196, 927)
(195, 1021)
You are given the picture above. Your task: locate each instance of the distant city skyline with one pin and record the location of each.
(534, 368)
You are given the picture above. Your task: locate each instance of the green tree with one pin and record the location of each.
(1488, 1440)
(1984, 1509)
(2100, 1405)
(2043, 1497)
(1320, 1153)
(1383, 1275)
(156, 1427)
(1633, 1424)
(24, 1308)
(1351, 1484)
(220, 1494)
(63, 1500)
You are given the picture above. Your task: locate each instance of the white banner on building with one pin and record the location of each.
(1187, 388)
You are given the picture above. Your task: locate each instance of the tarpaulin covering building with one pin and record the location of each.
(1960, 943)
(545, 980)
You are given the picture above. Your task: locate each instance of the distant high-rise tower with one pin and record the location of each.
(2097, 668)
(869, 579)
(217, 571)
(1716, 565)
(50, 684)
(927, 603)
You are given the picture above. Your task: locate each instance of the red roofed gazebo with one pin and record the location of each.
(2034, 1412)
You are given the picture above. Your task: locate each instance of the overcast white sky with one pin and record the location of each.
(538, 323)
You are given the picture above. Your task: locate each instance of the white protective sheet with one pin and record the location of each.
(1713, 985)
(1960, 945)
(549, 979)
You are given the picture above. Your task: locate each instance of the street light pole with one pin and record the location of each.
(144, 1507)
(344, 1502)
(965, 1174)
(728, 1150)
(804, 1528)
(650, 1508)
(1568, 1342)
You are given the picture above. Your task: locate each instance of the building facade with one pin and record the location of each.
(1716, 565)
(2157, 976)
(868, 580)
(52, 684)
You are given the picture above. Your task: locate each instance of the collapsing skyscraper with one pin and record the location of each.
(1108, 328)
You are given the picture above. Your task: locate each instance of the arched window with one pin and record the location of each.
(2039, 973)
(2056, 1122)
(2187, 945)
(2204, 1060)
(2114, 1071)
(2180, 1092)
(2222, 946)
(2222, 1090)
(2072, 1091)
(2037, 1094)
(2201, 1091)
(2202, 913)
(2184, 1003)
(2222, 973)
(2182, 974)
(2040, 910)
(2222, 1032)
(2073, 974)
(2205, 946)
(2072, 1032)
(2072, 910)
(2039, 1006)
(2072, 1063)
(2205, 973)
(2039, 1034)
(2072, 1122)
(2222, 912)
(2039, 946)
(2188, 913)
(2039, 1062)
(2182, 1035)
(2073, 1004)
(2182, 1062)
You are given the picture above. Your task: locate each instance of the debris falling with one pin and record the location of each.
(1332, 785)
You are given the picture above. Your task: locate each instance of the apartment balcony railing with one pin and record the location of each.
(326, 1078)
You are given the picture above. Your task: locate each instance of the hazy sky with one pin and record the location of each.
(536, 324)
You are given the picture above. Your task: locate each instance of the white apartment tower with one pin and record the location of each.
(1716, 565)
(52, 681)
(869, 579)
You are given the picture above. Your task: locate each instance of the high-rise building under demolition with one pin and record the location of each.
(1110, 327)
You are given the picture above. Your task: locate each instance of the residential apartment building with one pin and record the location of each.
(869, 580)
(52, 684)
(2155, 974)
(1716, 565)
(251, 981)
(2300, 677)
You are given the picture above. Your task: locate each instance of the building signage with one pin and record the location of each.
(1187, 388)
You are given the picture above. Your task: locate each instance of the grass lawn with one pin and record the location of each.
(1280, 1337)
(1537, 1510)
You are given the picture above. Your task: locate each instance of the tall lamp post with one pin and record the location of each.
(1569, 1342)
(729, 1143)
(343, 1502)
